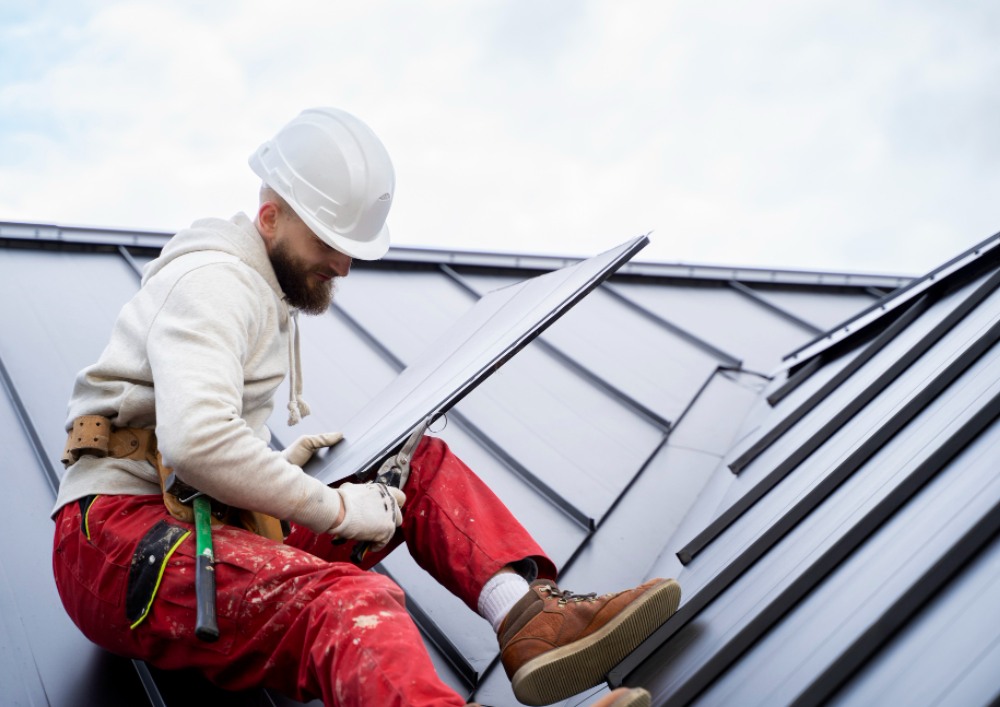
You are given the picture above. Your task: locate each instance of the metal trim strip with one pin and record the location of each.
(920, 593)
(813, 575)
(813, 499)
(543, 489)
(571, 363)
(721, 356)
(932, 280)
(687, 553)
(760, 300)
(890, 333)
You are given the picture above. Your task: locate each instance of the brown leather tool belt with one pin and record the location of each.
(94, 435)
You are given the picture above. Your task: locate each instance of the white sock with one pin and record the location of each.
(499, 595)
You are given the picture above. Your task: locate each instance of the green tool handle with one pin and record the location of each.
(206, 627)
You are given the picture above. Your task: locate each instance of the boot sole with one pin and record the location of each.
(635, 698)
(578, 666)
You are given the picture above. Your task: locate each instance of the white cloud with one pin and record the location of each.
(818, 135)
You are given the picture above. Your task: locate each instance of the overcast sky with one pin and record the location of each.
(830, 135)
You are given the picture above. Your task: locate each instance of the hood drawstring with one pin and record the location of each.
(297, 407)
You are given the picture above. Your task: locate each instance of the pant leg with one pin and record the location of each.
(288, 619)
(453, 524)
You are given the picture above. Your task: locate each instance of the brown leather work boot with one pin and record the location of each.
(622, 697)
(554, 643)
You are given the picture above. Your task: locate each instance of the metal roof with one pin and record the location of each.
(813, 499)
(850, 539)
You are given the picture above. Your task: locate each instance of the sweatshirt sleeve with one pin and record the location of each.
(198, 346)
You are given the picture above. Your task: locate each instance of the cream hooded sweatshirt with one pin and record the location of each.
(197, 355)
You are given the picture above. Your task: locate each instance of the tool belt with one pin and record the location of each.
(94, 435)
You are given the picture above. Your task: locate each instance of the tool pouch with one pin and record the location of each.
(168, 485)
(148, 564)
(90, 435)
(94, 435)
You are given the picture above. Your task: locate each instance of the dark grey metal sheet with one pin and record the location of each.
(702, 428)
(496, 328)
(573, 436)
(45, 660)
(701, 640)
(851, 600)
(817, 308)
(694, 460)
(843, 372)
(406, 310)
(949, 655)
(872, 382)
(60, 328)
(767, 418)
(837, 444)
(772, 507)
(664, 370)
(723, 318)
(649, 514)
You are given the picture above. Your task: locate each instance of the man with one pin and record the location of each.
(185, 384)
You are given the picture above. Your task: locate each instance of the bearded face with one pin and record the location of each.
(306, 287)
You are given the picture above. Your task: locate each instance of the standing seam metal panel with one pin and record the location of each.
(861, 404)
(804, 505)
(901, 554)
(739, 611)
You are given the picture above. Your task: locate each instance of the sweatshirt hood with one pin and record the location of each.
(236, 236)
(239, 237)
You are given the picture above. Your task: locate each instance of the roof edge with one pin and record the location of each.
(84, 235)
(965, 261)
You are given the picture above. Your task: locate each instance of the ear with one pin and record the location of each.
(267, 220)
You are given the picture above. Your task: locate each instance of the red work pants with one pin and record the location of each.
(296, 617)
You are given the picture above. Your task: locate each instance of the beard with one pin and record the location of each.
(301, 290)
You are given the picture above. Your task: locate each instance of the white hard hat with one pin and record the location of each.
(336, 175)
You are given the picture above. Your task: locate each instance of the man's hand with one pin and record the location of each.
(371, 512)
(301, 450)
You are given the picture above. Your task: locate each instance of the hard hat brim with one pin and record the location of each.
(373, 249)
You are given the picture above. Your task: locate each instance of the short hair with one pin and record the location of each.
(267, 193)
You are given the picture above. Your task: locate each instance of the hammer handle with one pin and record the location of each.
(206, 626)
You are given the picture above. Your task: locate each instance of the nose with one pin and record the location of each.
(340, 263)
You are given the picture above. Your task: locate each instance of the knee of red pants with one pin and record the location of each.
(435, 469)
(454, 525)
(452, 521)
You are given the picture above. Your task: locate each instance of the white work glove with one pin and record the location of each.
(301, 450)
(371, 512)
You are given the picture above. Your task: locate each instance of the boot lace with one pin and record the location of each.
(565, 596)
